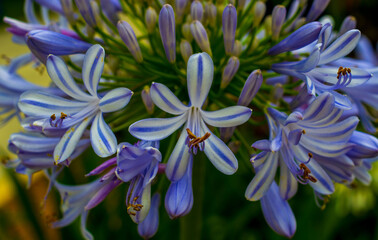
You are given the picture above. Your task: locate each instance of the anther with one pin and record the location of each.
(303, 131)
(63, 115)
(53, 117)
(343, 71)
(195, 141)
(306, 173)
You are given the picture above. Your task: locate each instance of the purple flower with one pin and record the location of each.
(128, 37)
(150, 224)
(195, 134)
(229, 21)
(278, 18)
(167, 31)
(75, 115)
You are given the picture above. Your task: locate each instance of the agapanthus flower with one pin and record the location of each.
(75, 115)
(195, 135)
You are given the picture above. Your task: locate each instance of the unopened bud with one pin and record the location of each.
(251, 87)
(229, 21)
(211, 14)
(186, 50)
(167, 31)
(238, 48)
(151, 18)
(186, 32)
(180, 9)
(229, 71)
(196, 10)
(258, 12)
(147, 100)
(278, 18)
(200, 36)
(349, 23)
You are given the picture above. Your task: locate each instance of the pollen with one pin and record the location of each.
(53, 117)
(194, 140)
(306, 173)
(343, 71)
(134, 207)
(63, 115)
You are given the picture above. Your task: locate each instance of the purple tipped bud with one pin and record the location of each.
(42, 43)
(251, 87)
(148, 228)
(89, 11)
(196, 10)
(186, 50)
(186, 32)
(349, 23)
(147, 100)
(211, 14)
(230, 71)
(238, 48)
(180, 9)
(179, 197)
(151, 18)
(200, 36)
(68, 11)
(298, 39)
(317, 8)
(278, 18)
(229, 21)
(226, 134)
(259, 10)
(167, 31)
(128, 37)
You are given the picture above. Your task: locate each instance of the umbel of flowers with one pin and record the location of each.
(128, 77)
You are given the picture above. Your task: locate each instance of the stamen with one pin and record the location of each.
(59, 122)
(194, 142)
(303, 131)
(306, 173)
(134, 207)
(346, 73)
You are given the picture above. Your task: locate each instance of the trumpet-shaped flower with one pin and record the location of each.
(75, 115)
(195, 135)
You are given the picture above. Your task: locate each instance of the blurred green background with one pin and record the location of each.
(350, 214)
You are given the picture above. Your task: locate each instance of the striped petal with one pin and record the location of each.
(93, 66)
(33, 142)
(115, 100)
(178, 161)
(261, 182)
(227, 117)
(69, 141)
(319, 108)
(288, 183)
(153, 129)
(218, 153)
(340, 47)
(324, 184)
(43, 104)
(60, 75)
(325, 35)
(166, 100)
(200, 77)
(103, 140)
(277, 212)
(329, 75)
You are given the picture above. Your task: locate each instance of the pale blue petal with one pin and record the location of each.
(329, 75)
(310, 86)
(166, 100)
(324, 184)
(154, 129)
(319, 108)
(218, 153)
(340, 47)
(115, 100)
(103, 140)
(342, 101)
(69, 141)
(227, 117)
(288, 183)
(42, 104)
(200, 77)
(295, 136)
(325, 35)
(178, 161)
(93, 66)
(261, 182)
(33, 142)
(263, 145)
(83, 228)
(62, 78)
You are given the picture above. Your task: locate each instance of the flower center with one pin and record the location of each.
(306, 173)
(194, 142)
(59, 122)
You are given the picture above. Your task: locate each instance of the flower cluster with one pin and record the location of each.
(207, 64)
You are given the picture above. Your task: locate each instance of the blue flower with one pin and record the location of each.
(150, 224)
(195, 134)
(73, 116)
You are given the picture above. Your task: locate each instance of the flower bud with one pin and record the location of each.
(196, 10)
(180, 9)
(241, 4)
(226, 133)
(68, 11)
(349, 23)
(238, 48)
(150, 18)
(138, 199)
(127, 35)
(186, 50)
(51, 5)
(211, 14)
(200, 36)
(278, 18)
(89, 11)
(167, 31)
(298, 39)
(147, 100)
(234, 146)
(258, 12)
(251, 87)
(229, 71)
(42, 43)
(317, 8)
(277, 93)
(229, 21)
(148, 228)
(186, 32)
(179, 197)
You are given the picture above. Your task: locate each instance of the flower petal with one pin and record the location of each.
(103, 140)
(42, 104)
(60, 75)
(227, 117)
(166, 100)
(93, 66)
(115, 100)
(200, 77)
(68, 142)
(288, 183)
(340, 47)
(329, 75)
(319, 108)
(153, 129)
(178, 161)
(33, 142)
(218, 153)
